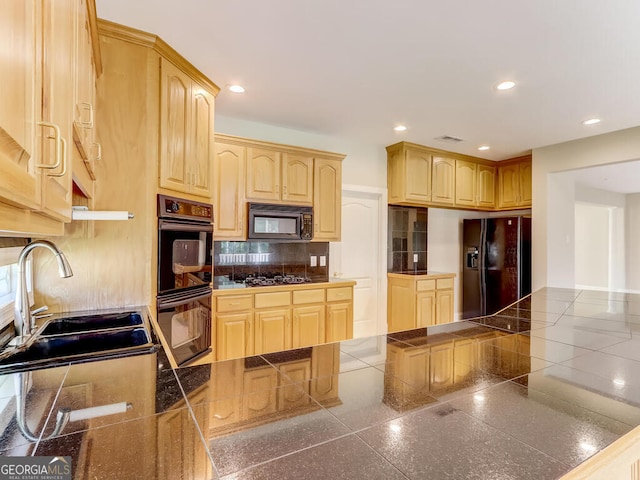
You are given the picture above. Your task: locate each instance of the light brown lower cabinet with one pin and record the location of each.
(281, 318)
(416, 301)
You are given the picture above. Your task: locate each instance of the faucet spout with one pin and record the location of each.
(24, 322)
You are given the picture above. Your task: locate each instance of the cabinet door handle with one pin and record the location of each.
(98, 151)
(57, 138)
(63, 155)
(88, 107)
(284, 189)
(277, 188)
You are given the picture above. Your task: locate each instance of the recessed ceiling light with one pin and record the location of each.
(591, 121)
(236, 88)
(484, 147)
(506, 85)
(400, 128)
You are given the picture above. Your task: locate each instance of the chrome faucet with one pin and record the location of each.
(24, 320)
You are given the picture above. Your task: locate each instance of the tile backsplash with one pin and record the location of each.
(407, 237)
(237, 259)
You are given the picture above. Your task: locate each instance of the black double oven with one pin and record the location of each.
(185, 242)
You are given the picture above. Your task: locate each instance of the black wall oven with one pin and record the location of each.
(185, 240)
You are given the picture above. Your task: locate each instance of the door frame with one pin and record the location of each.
(379, 194)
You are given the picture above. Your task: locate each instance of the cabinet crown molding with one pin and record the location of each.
(152, 41)
(234, 140)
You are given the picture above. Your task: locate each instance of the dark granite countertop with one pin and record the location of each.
(493, 396)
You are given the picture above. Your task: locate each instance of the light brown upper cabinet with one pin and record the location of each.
(40, 75)
(186, 132)
(327, 199)
(409, 174)
(475, 184)
(277, 176)
(514, 184)
(443, 181)
(424, 176)
(275, 173)
(230, 214)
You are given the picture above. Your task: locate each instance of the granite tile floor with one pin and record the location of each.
(529, 393)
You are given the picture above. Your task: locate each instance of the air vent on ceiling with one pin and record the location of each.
(449, 138)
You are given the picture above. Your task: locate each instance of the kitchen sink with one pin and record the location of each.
(85, 338)
(92, 322)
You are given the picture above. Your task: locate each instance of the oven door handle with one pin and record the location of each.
(181, 301)
(164, 224)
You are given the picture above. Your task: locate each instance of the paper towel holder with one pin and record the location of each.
(80, 212)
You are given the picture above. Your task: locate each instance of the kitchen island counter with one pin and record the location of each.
(532, 392)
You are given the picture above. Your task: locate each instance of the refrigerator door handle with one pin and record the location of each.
(482, 267)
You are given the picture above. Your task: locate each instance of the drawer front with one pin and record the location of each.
(337, 294)
(272, 299)
(424, 285)
(445, 283)
(308, 296)
(234, 303)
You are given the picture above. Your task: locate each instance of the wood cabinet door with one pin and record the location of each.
(229, 220)
(425, 309)
(464, 359)
(417, 176)
(296, 394)
(263, 174)
(58, 100)
(325, 372)
(339, 322)
(201, 151)
(466, 183)
(401, 304)
(327, 199)
(508, 186)
(272, 330)
(308, 326)
(297, 179)
(175, 115)
(18, 69)
(525, 184)
(259, 392)
(235, 335)
(226, 391)
(443, 181)
(441, 368)
(444, 306)
(486, 189)
(416, 368)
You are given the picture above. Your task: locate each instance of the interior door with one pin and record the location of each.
(355, 257)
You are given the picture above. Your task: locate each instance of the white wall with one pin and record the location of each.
(632, 246)
(591, 245)
(552, 241)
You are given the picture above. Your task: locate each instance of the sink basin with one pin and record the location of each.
(83, 339)
(91, 323)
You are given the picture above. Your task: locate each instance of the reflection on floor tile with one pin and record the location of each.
(347, 458)
(442, 442)
(560, 429)
(555, 352)
(592, 392)
(613, 311)
(166, 447)
(579, 337)
(628, 349)
(621, 370)
(266, 441)
(598, 325)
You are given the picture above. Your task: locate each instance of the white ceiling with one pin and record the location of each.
(621, 177)
(355, 68)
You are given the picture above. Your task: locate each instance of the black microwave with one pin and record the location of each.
(280, 222)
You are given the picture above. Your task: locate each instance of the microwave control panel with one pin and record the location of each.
(172, 207)
(307, 226)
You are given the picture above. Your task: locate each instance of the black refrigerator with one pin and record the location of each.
(496, 255)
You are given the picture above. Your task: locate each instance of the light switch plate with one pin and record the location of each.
(323, 261)
(415, 258)
(314, 261)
